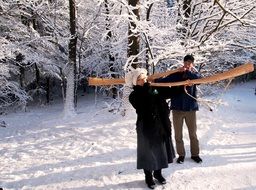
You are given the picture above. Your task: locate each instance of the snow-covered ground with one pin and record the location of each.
(97, 150)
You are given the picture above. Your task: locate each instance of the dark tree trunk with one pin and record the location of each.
(187, 8)
(19, 59)
(187, 12)
(48, 90)
(71, 73)
(72, 44)
(184, 15)
(37, 76)
(133, 38)
(37, 80)
(63, 84)
(111, 57)
(22, 76)
(148, 41)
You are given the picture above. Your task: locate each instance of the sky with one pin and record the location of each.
(96, 149)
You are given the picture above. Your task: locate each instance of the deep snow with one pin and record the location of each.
(96, 149)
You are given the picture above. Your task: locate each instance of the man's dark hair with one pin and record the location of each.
(189, 58)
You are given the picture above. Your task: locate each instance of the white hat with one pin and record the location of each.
(132, 76)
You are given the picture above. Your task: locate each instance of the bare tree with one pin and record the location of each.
(133, 35)
(108, 38)
(149, 53)
(69, 107)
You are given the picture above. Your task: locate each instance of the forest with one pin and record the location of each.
(49, 48)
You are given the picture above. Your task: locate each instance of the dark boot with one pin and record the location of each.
(180, 160)
(149, 179)
(159, 177)
(197, 159)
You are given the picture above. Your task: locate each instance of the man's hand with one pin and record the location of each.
(182, 69)
(149, 79)
(189, 83)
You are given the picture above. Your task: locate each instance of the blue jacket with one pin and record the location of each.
(182, 101)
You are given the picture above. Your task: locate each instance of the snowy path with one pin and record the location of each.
(96, 150)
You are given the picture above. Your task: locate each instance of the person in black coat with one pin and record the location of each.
(154, 144)
(184, 108)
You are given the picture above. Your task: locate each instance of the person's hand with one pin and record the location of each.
(188, 83)
(182, 69)
(149, 79)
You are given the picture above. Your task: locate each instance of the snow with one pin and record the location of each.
(96, 149)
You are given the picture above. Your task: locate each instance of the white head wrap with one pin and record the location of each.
(132, 76)
(137, 73)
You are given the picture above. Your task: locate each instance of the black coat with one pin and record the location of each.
(155, 149)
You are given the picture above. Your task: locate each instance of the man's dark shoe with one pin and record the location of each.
(158, 175)
(180, 160)
(197, 159)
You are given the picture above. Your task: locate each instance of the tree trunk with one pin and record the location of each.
(19, 59)
(133, 38)
(37, 76)
(48, 90)
(147, 42)
(63, 85)
(69, 108)
(110, 56)
(183, 18)
(37, 81)
(22, 76)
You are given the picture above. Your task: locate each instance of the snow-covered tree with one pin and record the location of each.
(34, 42)
(11, 96)
(69, 108)
(35, 37)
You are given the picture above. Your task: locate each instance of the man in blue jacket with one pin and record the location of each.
(184, 107)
